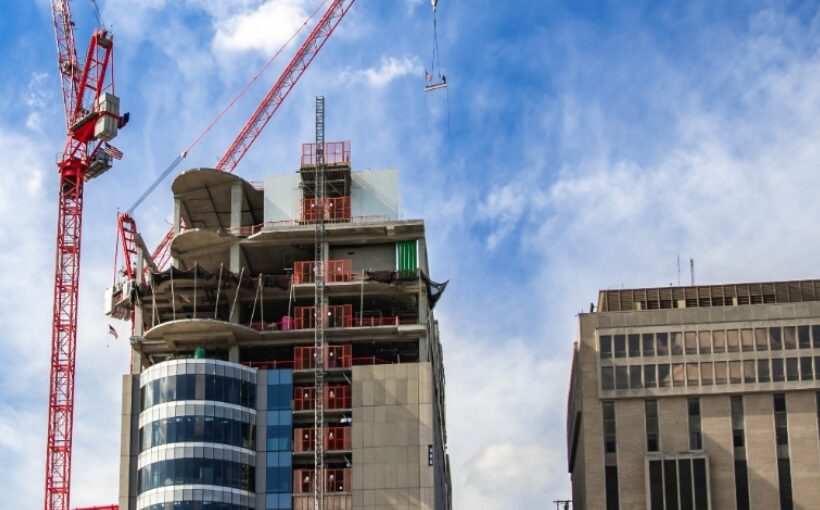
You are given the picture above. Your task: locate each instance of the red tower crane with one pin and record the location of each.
(249, 133)
(92, 120)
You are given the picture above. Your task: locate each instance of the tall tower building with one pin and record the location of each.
(701, 397)
(219, 407)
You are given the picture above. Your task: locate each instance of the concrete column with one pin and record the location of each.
(716, 426)
(235, 255)
(761, 451)
(177, 223)
(233, 354)
(803, 449)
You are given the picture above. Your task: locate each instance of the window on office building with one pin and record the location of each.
(782, 439)
(805, 369)
(635, 377)
(648, 340)
(705, 342)
(739, 443)
(610, 440)
(815, 336)
(677, 374)
(719, 341)
(606, 347)
(649, 379)
(652, 428)
(792, 373)
(695, 439)
(803, 337)
(692, 374)
(620, 346)
(610, 459)
(747, 342)
(790, 337)
(775, 339)
(761, 339)
(664, 380)
(662, 343)
(734, 372)
(720, 372)
(621, 378)
(763, 374)
(607, 378)
(677, 343)
(634, 345)
(749, 371)
(691, 342)
(678, 483)
(778, 371)
(707, 373)
(732, 341)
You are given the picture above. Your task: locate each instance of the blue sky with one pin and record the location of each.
(581, 146)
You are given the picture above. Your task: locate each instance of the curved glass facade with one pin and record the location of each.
(197, 505)
(222, 473)
(215, 388)
(198, 429)
(197, 436)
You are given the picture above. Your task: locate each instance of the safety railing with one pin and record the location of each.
(336, 210)
(335, 316)
(336, 397)
(337, 271)
(336, 439)
(336, 153)
(336, 480)
(336, 356)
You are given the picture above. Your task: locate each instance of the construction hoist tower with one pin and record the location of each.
(321, 310)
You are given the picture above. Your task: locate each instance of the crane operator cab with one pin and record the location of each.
(434, 78)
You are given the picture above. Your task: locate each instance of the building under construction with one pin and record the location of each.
(289, 358)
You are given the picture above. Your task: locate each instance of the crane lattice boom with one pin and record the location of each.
(92, 118)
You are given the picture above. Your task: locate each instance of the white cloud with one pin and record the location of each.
(390, 69)
(262, 28)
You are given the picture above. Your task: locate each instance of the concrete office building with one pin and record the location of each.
(218, 410)
(701, 397)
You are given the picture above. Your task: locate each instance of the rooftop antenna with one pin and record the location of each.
(678, 269)
(692, 270)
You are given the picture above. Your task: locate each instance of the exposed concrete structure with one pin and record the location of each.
(697, 397)
(242, 289)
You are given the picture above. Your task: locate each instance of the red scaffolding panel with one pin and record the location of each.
(304, 271)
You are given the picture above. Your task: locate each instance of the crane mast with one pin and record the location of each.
(92, 119)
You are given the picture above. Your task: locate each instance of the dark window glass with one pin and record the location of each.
(606, 347)
(803, 337)
(612, 488)
(635, 376)
(651, 410)
(815, 336)
(199, 387)
(649, 376)
(648, 344)
(620, 346)
(775, 339)
(685, 483)
(707, 373)
(785, 478)
(817, 367)
(607, 378)
(791, 369)
(634, 346)
(701, 483)
(778, 372)
(720, 372)
(805, 369)
(662, 343)
(741, 485)
(621, 378)
(670, 478)
(609, 426)
(192, 471)
(663, 376)
(763, 370)
(678, 374)
(695, 440)
(655, 485)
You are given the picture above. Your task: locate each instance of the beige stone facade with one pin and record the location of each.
(733, 373)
